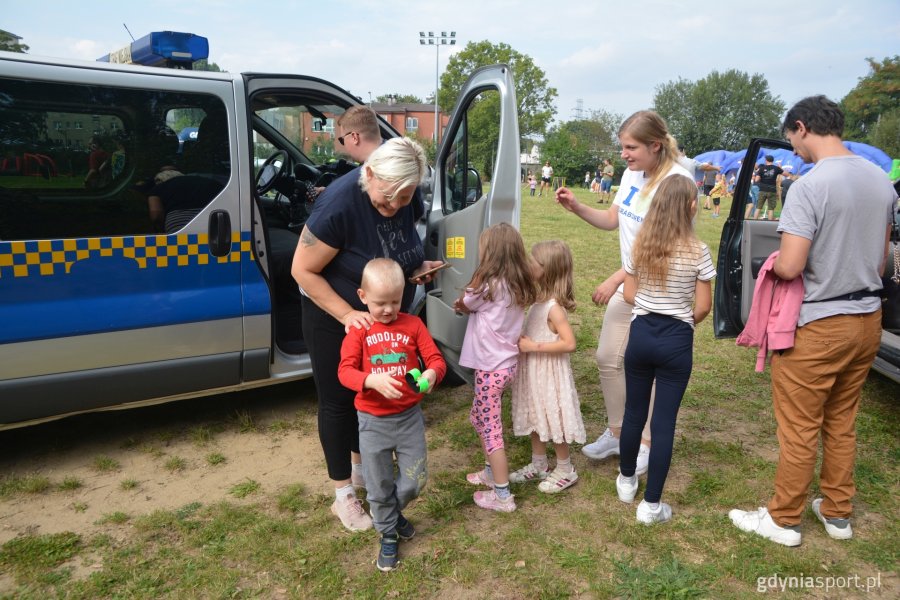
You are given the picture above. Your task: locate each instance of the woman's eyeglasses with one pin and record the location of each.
(341, 139)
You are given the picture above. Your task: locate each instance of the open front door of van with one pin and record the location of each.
(476, 185)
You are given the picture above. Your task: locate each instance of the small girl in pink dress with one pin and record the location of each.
(544, 400)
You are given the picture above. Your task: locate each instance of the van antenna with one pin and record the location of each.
(128, 30)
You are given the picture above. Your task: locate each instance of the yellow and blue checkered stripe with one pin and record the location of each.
(56, 257)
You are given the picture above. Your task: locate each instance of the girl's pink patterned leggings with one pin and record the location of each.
(486, 414)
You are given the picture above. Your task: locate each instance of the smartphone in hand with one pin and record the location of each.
(430, 271)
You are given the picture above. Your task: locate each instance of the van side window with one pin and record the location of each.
(82, 160)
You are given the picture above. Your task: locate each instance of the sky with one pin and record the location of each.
(599, 55)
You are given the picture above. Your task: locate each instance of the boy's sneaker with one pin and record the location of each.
(357, 480)
(488, 499)
(480, 478)
(643, 460)
(761, 523)
(645, 514)
(388, 559)
(837, 528)
(557, 481)
(405, 529)
(528, 473)
(350, 512)
(606, 445)
(625, 490)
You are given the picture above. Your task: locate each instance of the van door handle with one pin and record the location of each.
(219, 233)
(434, 238)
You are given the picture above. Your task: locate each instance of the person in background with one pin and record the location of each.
(606, 180)
(716, 193)
(96, 159)
(371, 211)
(651, 155)
(835, 233)
(495, 301)
(374, 364)
(358, 132)
(532, 182)
(546, 176)
(709, 181)
(767, 179)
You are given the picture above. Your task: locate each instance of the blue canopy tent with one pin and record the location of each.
(787, 160)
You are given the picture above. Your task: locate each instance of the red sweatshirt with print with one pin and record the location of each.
(394, 347)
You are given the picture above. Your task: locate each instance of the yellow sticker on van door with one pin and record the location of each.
(456, 247)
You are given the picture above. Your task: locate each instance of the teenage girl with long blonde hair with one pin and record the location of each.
(650, 154)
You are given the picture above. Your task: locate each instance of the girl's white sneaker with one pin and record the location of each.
(645, 514)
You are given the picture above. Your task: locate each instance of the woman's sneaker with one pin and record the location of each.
(625, 490)
(388, 557)
(645, 514)
(480, 478)
(488, 499)
(405, 529)
(350, 512)
(643, 460)
(557, 481)
(529, 473)
(606, 445)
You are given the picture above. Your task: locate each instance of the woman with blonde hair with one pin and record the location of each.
(650, 154)
(371, 211)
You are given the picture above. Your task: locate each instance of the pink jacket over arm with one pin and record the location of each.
(773, 314)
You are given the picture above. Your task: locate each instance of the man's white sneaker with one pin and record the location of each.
(606, 445)
(645, 514)
(837, 528)
(643, 460)
(761, 523)
(625, 490)
(350, 512)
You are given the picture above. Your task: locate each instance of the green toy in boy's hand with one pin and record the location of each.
(416, 381)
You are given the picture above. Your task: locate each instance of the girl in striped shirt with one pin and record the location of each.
(668, 281)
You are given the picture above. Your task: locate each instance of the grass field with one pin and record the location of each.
(582, 543)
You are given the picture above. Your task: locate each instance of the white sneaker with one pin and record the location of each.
(761, 523)
(625, 490)
(605, 446)
(643, 460)
(648, 516)
(557, 481)
(529, 473)
(350, 512)
(837, 528)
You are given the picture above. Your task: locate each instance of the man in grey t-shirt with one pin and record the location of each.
(834, 232)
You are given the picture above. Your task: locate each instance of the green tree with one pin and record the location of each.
(876, 95)
(722, 110)
(581, 145)
(9, 43)
(399, 99)
(886, 133)
(533, 94)
(205, 65)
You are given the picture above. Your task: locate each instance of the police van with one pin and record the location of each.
(104, 305)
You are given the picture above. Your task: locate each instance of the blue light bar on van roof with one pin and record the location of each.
(162, 49)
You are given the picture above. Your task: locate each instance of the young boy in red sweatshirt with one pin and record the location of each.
(374, 363)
